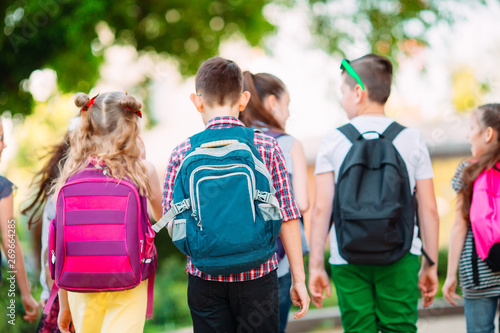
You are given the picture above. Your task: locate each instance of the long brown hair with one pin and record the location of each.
(261, 86)
(44, 180)
(488, 116)
(109, 132)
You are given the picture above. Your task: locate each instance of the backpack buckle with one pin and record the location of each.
(263, 196)
(181, 206)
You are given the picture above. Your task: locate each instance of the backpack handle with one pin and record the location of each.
(367, 132)
(218, 143)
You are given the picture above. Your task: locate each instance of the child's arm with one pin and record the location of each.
(320, 223)
(168, 181)
(290, 232)
(154, 183)
(299, 180)
(457, 239)
(429, 225)
(64, 320)
(290, 236)
(12, 249)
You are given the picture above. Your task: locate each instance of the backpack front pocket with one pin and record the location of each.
(374, 234)
(224, 211)
(271, 216)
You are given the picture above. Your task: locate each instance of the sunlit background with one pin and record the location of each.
(445, 56)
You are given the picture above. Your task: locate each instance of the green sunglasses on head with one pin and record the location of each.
(347, 66)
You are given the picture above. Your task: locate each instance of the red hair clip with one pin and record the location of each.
(137, 112)
(89, 104)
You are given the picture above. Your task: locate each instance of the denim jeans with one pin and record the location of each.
(285, 283)
(234, 307)
(480, 314)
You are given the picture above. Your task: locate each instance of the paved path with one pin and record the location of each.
(440, 318)
(439, 324)
(445, 324)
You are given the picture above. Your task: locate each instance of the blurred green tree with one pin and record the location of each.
(69, 36)
(386, 27)
(64, 35)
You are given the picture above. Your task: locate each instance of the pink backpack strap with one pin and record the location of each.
(50, 301)
(151, 286)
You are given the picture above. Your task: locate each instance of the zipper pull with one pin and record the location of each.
(142, 244)
(53, 257)
(199, 225)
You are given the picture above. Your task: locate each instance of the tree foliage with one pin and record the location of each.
(387, 27)
(62, 35)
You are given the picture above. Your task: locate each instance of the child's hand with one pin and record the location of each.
(428, 284)
(318, 283)
(64, 321)
(299, 297)
(449, 288)
(31, 307)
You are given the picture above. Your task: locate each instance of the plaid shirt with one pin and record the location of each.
(274, 161)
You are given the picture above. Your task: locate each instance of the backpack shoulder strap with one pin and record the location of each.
(351, 133)
(392, 131)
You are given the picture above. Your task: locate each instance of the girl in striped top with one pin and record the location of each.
(481, 288)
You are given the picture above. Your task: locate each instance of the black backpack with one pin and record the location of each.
(373, 209)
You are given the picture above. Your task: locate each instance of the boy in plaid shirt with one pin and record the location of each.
(246, 301)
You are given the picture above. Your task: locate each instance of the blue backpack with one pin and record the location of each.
(225, 214)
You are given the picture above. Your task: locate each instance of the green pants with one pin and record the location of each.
(378, 298)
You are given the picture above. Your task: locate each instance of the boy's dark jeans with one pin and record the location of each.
(234, 307)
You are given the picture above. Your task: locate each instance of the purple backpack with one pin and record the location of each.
(101, 239)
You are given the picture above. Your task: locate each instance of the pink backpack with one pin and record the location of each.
(101, 239)
(485, 216)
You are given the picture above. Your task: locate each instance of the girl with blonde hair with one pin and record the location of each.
(107, 138)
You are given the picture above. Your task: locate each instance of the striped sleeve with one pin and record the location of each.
(175, 161)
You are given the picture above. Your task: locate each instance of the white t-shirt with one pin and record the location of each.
(410, 145)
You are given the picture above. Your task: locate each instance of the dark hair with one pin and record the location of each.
(376, 74)
(44, 180)
(488, 116)
(260, 86)
(219, 81)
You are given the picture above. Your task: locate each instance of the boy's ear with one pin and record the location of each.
(198, 103)
(243, 101)
(359, 93)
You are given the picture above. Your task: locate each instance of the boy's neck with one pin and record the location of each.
(372, 109)
(219, 111)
